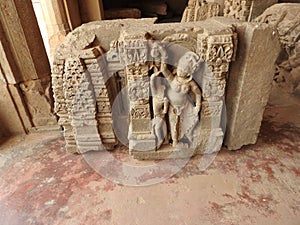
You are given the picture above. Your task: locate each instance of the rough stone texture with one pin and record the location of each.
(122, 13)
(197, 10)
(130, 52)
(24, 65)
(14, 117)
(249, 82)
(37, 98)
(129, 62)
(285, 18)
(246, 10)
(259, 185)
(29, 55)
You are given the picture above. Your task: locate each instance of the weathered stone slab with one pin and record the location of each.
(38, 101)
(285, 18)
(246, 10)
(249, 82)
(197, 10)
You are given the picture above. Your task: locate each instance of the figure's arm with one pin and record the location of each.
(166, 105)
(152, 82)
(196, 90)
(166, 72)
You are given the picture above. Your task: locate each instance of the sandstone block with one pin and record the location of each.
(39, 104)
(249, 82)
(246, 10)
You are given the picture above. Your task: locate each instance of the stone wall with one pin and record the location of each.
(26, 101)
(285, 19)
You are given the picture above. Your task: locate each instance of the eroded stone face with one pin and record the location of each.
(246, 10)
(197, 10)
(157, 88)
(285, 18)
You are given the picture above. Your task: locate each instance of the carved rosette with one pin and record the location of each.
(139, 91)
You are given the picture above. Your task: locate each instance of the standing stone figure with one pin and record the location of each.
(160, 107)
(159, 99)
(183, 109)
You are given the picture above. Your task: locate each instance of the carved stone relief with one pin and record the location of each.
(238, 9)
(197, 10)
(174, 99)
(286, 19)
(246, 10)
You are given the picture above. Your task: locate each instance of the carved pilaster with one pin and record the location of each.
(134, 54)
(217, 51)
(104, 93)
(58, 91)
(73, 72)
(84, 116)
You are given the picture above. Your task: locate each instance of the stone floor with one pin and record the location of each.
(260, 184)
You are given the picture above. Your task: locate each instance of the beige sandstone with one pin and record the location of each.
(200, 63)
(249, 82)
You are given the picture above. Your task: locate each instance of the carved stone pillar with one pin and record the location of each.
(24, 66)
(104, 94)
(217, 51)
(134, 52)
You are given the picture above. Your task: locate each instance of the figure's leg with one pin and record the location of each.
(173, 121)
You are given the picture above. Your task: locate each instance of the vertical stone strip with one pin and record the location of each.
(135, 52)
(73, 72)
(84, 121)
(250, 82)
(217, 51)
(104, 96)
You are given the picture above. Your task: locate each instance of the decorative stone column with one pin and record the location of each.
(217, 51)
(134, 52)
